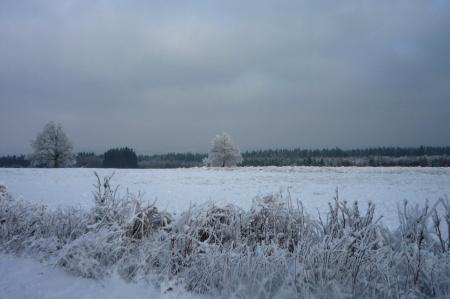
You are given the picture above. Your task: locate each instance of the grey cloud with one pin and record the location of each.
(167, 77)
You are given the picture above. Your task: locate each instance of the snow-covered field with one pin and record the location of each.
(26, 278)
(176, 189)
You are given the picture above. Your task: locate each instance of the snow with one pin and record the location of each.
(177, 189)
(28, 278)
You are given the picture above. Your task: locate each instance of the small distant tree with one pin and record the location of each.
(223, 152)
(52, 148)
(120, 158)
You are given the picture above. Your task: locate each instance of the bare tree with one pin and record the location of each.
(223, 152)
(52, 148)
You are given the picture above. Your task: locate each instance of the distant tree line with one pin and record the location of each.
(381, 156)
(171, 160)
(52, 148)
(340, 153)
(88, 160)
(406, 161)
(14, 161)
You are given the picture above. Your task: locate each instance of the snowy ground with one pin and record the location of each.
(25, 278)
(176, 189)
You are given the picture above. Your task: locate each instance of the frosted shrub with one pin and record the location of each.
(212, 224)
(274, 250)
(441, 224)
(93, 254)
(125, 211)
(114, 224)
(421, 258)
(85, 243)
(109, 208)
(274, 219)
(4, 195)
(34, 227)
(146, 221)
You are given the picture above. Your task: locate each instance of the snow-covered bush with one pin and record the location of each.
(146, 221)
(4, 195)
(25, 226)
(114, 224)
(275, 219)
(211, 223)
(274, 250)
(93, 254)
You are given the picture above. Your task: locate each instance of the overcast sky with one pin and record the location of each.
(168, 75)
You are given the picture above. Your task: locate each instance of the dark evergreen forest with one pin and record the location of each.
(380, 156)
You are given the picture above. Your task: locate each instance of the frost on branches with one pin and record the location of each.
(223, 152)
(52, 148)
(273, 250)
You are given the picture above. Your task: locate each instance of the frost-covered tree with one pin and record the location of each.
(52, 148)
(223, 152)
